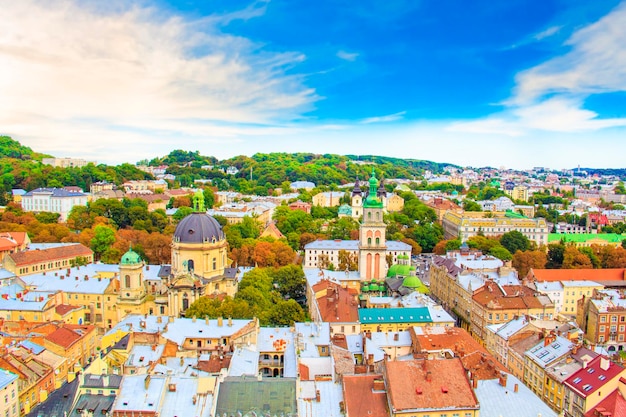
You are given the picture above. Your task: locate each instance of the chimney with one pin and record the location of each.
(193, 319)
(171, 387)
(105, 381)
(396, 337)
(206, 320)
(317, 395)
(502, 379)
(147, 381)
(516, 388)
(170, 319)
(379, 385)
(604, 363)
(475, 383)
(230, 322)
(220, 322)
(194, 399)
(158, 319)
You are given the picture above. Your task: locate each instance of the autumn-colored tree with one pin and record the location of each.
(612, 257)
(158, 248)
(243, 256)
(348, 261)
(574, 259)
(306, 238)
(273, 254)
(524, 261)
(440, 248)
(416, 249)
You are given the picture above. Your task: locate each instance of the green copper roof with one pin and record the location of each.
(513, 215)
(585, 237)
(130, 258)
(345, 209)
(372, 200)
(412, 282)
(394, 315)
(399, 270)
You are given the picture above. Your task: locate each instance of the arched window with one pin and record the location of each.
(214, 264)
(369, 240)
(190, 265)
(369, 215)
(377, 241)
(127, 281)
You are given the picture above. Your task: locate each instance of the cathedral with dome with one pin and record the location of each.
(199, 267)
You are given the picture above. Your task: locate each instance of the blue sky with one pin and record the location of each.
(514, 83)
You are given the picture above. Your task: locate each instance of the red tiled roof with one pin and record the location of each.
(551, 275)
(614, 405)
(507, 297)
(63, 309)
(43, 255)
(429, 384)
(63, 337)
(361, 397)
(589, 380)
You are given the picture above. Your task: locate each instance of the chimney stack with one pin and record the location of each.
(516, 388)
(220, 321)
(317, 395)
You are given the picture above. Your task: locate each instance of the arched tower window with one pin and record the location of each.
(127, 281)
(190, 265)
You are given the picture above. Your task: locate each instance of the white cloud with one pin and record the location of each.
(547, 33)
(594, 64)
(551, 96)
(347, 56)
(384, 119)
(73, 76)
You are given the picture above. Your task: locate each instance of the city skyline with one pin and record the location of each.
(518, 84)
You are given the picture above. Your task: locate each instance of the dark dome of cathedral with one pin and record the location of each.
(198, 228)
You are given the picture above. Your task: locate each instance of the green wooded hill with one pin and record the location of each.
(272, 170)
(22, 168)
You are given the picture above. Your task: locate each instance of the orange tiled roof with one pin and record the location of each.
(432, 385)
(362, 398)
(37, 256)
(18, 237)
(551, 275)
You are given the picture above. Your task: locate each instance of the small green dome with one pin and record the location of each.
(365, 288)
(455, 192)
(412, 282)
(398, 270)
(130, 258)
(374, 287)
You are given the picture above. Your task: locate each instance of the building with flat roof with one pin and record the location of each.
(468, 224)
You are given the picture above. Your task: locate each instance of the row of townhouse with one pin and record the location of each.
(549, 358)
(480, 291)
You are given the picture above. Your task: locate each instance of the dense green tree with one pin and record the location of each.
(103, 239)
(514, 241)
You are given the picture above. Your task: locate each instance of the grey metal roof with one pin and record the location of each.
(198, 228)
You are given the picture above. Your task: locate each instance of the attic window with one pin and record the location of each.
(587, 387)
(444, 389)
(602, 377)
(191, 231)
(577, 380)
